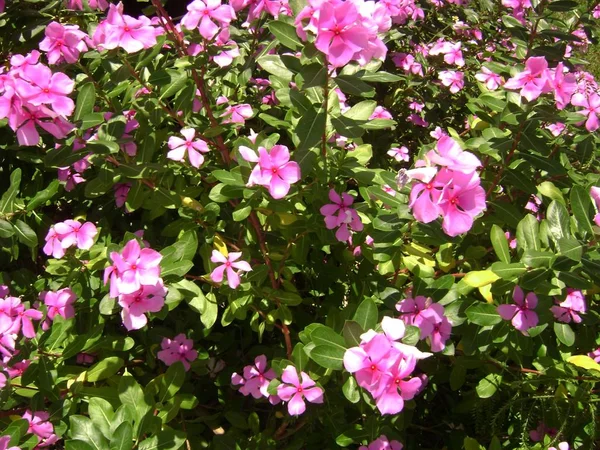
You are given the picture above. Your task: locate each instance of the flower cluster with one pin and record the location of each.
(273, 170)
(383, 366)
(15, 319)
(339, 215)
(178, 349)
(135, 280)
(255, 380)
(454, 192)
(32, 96)
(429, 318)
(69, 233)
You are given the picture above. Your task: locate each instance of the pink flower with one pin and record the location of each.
(396, 386)
(452, 79)
(72, 232)
(204, 14)
(534, 80)
(63, 43)
(53, 244)
(255, 380)
(59, 302)
(339, 215)
(541, 431)
(237, 113)
(595, 355)
(293, 391)
(569, 309)
(41, 427)
(227, 265)
(121, 193)
(561, 446)
(178, 349)
(194, 148)
(591, 109)
(14, 317)
(121, 30)
(5, 440)
(382, 443)
(3, 383)
(556, 128)
(39, 86)
(93, 4)
(380, 113)
(411, 309)
(491, 80)
(521, 314)
(462, 199)
(132, 268)
(449, 154)
(274, 169)
(564, 85)
(436, 327)
(135, 305)
(408, 63)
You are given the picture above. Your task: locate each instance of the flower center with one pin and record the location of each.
(299, 388)
(126, 29)
(373, 367)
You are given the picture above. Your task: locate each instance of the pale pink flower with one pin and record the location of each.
(521, 314)
(39, 424)
(591, 108)
(564, 85)
(452, 79)
(569, 309)
(63, 43)
(534, 80)
(255, 380)
(93, 4)
(435, 327)
(382, 443)
(408, 63)
(72, 232)
(58, 303)
(556, 128)
(228, 263)
(193, 147)
(178, 349)
(53, 244)
(491, 80)
(274, 169)
(561, 446)
(3, 382)
(203, 15)
(237, 113)
(121, 30)
(293, 391)
(448, 153)
(339, 215)
(135, 306)
(132, 268)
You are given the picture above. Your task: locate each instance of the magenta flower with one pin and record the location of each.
(255, 380)
(411, 309)
(132, 268)
(569, 309)
(461, 200)
(194, 148)
(72, 232)
(395, 388)
(591, 108)
(339, 215)
(178, 349)
(424, 198)
(63, 43)
(5, 440)
(382, 443)
(521, 314)
(534, 80)
(448, 154)
(408, 63)
(595, 355)
(39, 86)
(541, 431)
(12, 308)
(274, 169)
(595, 194)
(93, 4)
(491, 80)
(121, 30)
(452, 79)
(53, 244)
(121, 193)
(380, 113)
(293, 391)
(228, 263)
(135, 305)
(40, 426)
(564, 85)
(204, 14)
(436, 327)
(237, 113)
(59, 302)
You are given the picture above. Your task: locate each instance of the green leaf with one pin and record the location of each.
(122, 438)
(310, 129)
(171, 381)
(104, 369)
(77, 445)
(351, 84)
(7, 202)
(489, 385)
(285, 33)
(571, 248)
(328, 356)
(241, 212)
(131, 394)
(500, 244)
(379, 77)
(350, 390)
(275, 66)
(178, 268)
(101, 414)
(231, 178)
(366, 314)
(91, 120)
(558, 221)
(528, 233)
(549, 189)
(326, 336)
(352, 331)
(480, 278)
(16, 429)
(483, 314)
(314, 75)
(581, 204)
(7, 229)
(86, 98)
(536, 259)
(564, 333)
(299, 356)
(43, 196)
(83, 429)
(25, 234)
(508, 271)
(362, 110)
(164, 440)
